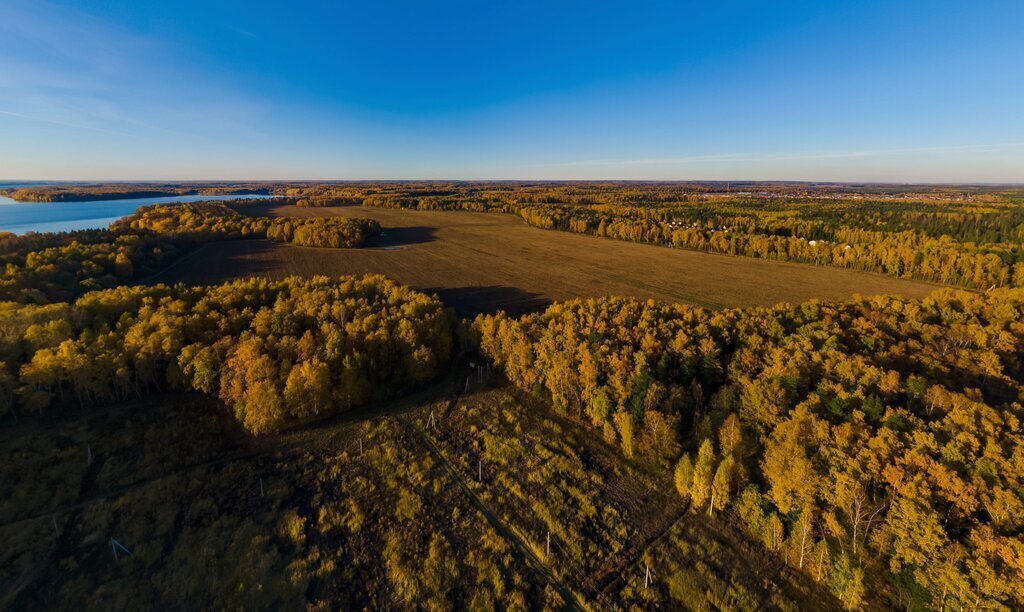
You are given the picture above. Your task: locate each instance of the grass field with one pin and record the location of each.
(484, 262)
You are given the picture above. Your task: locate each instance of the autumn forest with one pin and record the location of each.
(297, 441)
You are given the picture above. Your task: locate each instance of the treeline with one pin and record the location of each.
(42, 268)
(209, 220)
(324, 232)
(85, 193)
(582, 192)
(195, 220)
(274, 351)
(329, 202)
(909, 253)
(958, 235)
(875, 444)
(966, 236)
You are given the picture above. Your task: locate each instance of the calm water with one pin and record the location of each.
(24, 217)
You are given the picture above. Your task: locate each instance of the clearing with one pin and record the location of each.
(463, 494)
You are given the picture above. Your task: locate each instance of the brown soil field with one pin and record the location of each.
(482, 262)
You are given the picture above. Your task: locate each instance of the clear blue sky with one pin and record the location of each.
(816, 90)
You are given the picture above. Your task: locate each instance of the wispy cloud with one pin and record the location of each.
(241, 31)
(60, 123)
(793, 156)
(62, 66)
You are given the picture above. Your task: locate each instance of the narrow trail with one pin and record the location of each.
(62, 545)
(631, 559)
(525, 553)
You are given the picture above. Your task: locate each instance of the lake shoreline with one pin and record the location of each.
(63, 216)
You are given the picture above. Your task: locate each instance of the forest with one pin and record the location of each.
(272, 351)
(876, 440)
(40, 268)
(217, 220)
(349, 441)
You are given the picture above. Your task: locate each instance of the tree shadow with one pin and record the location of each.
(261, 209)
(217, 262)
(402, 236)
(488, 299)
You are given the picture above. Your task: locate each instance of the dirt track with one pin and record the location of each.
(479, 262)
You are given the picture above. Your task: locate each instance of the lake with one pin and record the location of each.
(24, 217)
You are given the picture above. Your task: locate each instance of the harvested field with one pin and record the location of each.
(480, 262)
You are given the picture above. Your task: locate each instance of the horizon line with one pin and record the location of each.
(42, 182)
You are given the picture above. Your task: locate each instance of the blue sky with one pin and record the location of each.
(865, 90)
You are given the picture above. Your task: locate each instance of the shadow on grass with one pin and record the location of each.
(488, 299)
(402, 236)
(218, 262)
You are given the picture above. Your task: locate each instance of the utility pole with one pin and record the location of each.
(115, 546)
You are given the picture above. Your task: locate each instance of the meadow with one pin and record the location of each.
(488, 262)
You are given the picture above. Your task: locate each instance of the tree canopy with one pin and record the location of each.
(272, 350)
(878, 437)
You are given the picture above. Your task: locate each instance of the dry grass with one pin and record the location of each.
(215, 519)
(479, 262)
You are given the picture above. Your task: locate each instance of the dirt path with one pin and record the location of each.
(630, 559)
